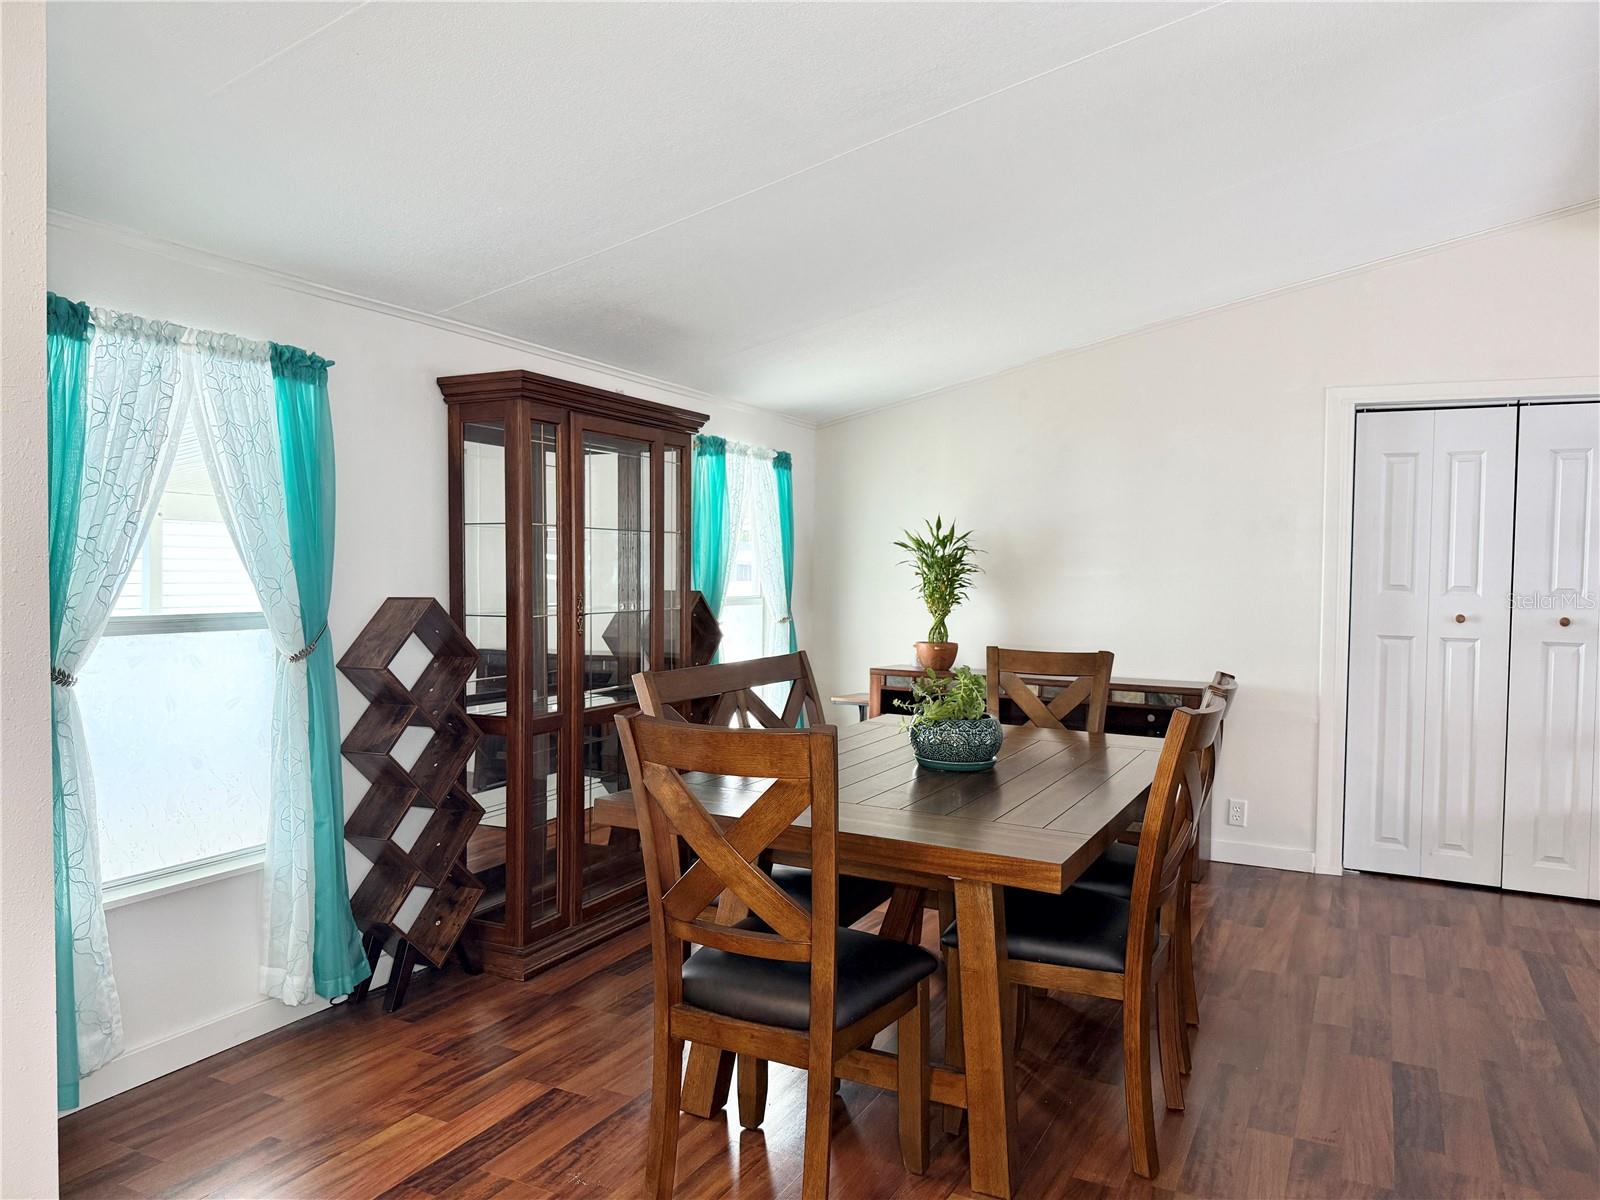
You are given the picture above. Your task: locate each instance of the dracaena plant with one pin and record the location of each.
(945, 563)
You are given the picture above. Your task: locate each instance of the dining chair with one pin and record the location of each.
(787, 983)
(1092, 944)
(724, 694)
(1112, 873)
(1090, 673)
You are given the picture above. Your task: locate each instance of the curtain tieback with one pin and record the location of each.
(784, 620)
(304, 652)
(57, 675)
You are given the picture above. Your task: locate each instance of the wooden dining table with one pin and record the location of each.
(1054, 800)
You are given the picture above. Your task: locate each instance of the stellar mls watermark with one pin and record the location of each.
(1570, 599)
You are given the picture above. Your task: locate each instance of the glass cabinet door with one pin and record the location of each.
(673, 546)
(617, 585)
(541, 877)
(484, 619)
(483, 562)
(545, 576)
(611, 859)
(542, 807)
(514, 772)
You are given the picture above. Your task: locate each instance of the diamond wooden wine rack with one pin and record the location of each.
(431, 782)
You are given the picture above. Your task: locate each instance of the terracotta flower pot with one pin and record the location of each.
(936, 656)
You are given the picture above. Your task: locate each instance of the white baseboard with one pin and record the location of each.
(1254, 854)
(141, 1064)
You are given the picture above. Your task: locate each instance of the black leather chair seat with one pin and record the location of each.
(1112, 873)
(870, 971)
(1076, 929)
(857, 896)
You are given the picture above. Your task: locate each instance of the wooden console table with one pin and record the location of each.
(1142, 707)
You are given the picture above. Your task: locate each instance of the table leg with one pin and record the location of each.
(988, 1033)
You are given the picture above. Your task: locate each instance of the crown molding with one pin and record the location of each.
(1184, 318)
(207, 260)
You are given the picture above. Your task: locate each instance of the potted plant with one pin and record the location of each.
(945, 562)
(951, 729)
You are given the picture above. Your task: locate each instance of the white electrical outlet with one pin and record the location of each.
(1239, 813)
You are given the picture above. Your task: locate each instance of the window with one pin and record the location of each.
(744, 609)
(177, 697)
(747, 616)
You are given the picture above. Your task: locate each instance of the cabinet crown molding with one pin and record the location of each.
(529, 385)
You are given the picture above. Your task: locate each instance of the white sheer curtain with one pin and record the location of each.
(753, 497)
(761, 488)
(133, 409)
(738, 489)
(236, 416)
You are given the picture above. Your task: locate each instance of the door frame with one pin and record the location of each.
(1341, 404)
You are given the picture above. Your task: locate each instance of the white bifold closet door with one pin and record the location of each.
(1551, 826)
(1430, 642)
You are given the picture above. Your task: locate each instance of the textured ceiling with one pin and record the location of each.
(818, 208)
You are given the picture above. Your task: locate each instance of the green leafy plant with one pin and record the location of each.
(945, 562)
(961, 696)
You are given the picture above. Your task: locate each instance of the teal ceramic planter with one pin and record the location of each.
(957, 745)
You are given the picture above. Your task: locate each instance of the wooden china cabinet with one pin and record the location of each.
(569, 570)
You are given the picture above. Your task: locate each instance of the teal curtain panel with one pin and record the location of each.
(305, 426)
(710, 539)
(783, 468)
(120, 446)
(66, 342)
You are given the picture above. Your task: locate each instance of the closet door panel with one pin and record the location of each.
(1469, 634)
(1388, 642)
(1551, 751)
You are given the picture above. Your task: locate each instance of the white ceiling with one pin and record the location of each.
(818, 208)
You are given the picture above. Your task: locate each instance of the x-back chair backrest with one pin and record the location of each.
(1222, 686)
(1169, 832)
(1091, 685)
(730, 687)
(802, 767)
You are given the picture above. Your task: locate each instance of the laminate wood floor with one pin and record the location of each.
(1363, 1037)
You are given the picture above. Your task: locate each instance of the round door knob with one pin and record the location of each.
(1565, 621)
(1461, 618)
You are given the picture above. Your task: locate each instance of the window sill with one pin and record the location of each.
(181, 879)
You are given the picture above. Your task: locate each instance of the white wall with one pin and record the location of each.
(186, 962)
(1161, 495)
(27, 940)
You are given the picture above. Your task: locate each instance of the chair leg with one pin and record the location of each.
(666, 1082)
(1183, 989)
(946, 903)
(819, 1129)
(1172, 1036)
(1136, 1016)
(954, 1044)
(707, 1080)
(903, 920)
(912, 1076)
(1185, 944)
(752, 1091)
(1023, 997)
